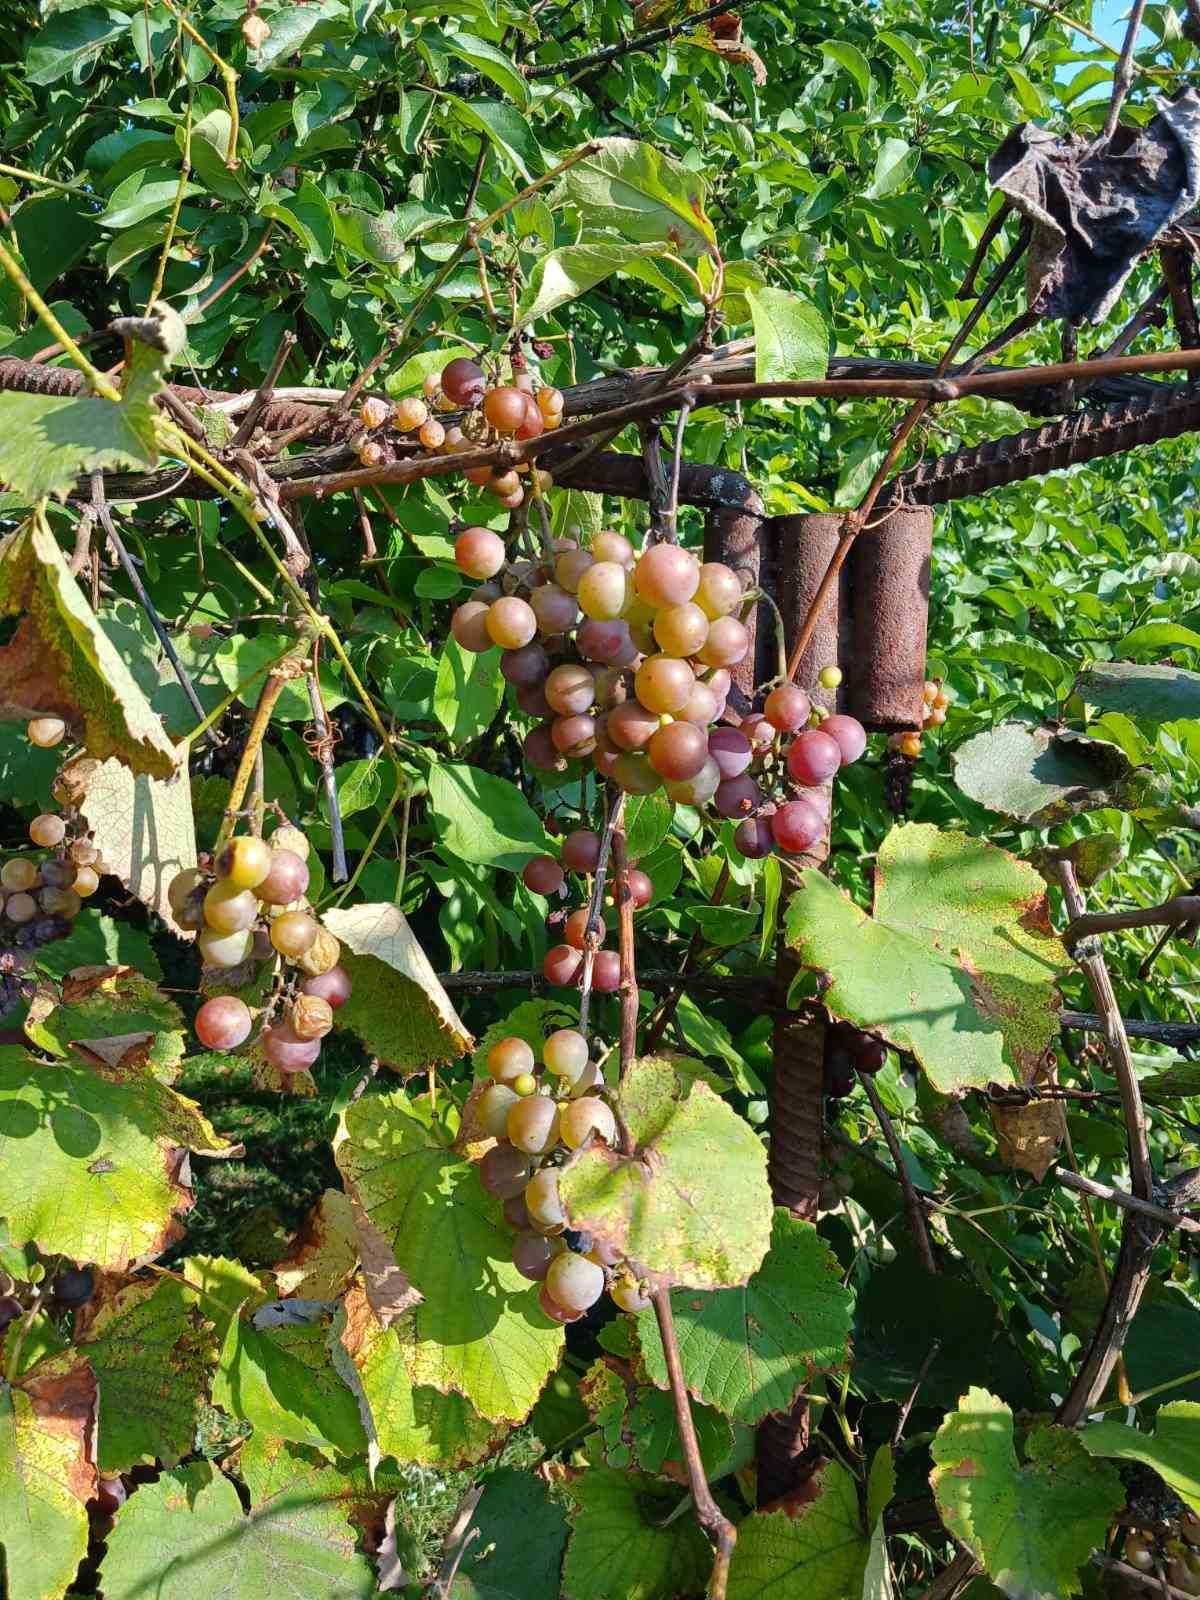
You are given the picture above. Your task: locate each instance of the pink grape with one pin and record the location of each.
(787, 708)
(335, 986)
(754, 838)
(678, 751)
(462, 381)
(719, 591)
(666, 575)
(561, 965)
(610, 546)
(759, 731)
(606, 972)
(542, 1203)
(532, 1254)
(285, 1050)
(504, 1171)
(286, 879)
(813, 757)
(574, 736)
(492, 1108)
(581, 850)
(609, 642)
(469, 627)
(641, 889)
(575, 928)
(533, 1125)
(703, 705)
(606, 754)
(664, 684)
(510, 1058)
(797, 826)
(531, 697)
(555, 609)
(571, 689)
(553, 1310)
(528, 664)
(630, 725)
(728, 643)
(543, 875)
(516, 1213)
(541, 750)
(565, 1053)
(479, 553)
(223, 1022)
(511, 622)
(635, 774)
(849, 735)
(731, 750)
(582, 1118)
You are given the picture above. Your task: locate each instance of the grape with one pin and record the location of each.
(223, 1022)
(509, 1058)
(666, 575)
(511, 622)
(571, 689)
(635, 774)
(610, 546)
(797, 826)
(940, 701)
(590, 1078)
(531, 697)
(504, 407)
(542, 1201)
(580, 1119)
(680, 630)
(57, 873)
(581, 850)
(631, 726)
(553, 1310)
(525, 1085)
(462, 381)
(504, 1171)
(289, 838)
(84, 853)
(554, 608)
(516, 1213)
(543, 875)
(627, 1293)
(909, 745)
(575, 928)
(570, 568)
(664, 683)
(74, 1286)
(244, 862)
(541, 750)
(286, 1051)
(737, 797)
(731, 750)
(228, 909)
(754, 838)
(432, 434)
(813, 757)
(20, 908)
(532, 1254)
(561, 965)
(937, 715)
(727, 644)
(533, 1125)
(322, 955)
(479, 552)
(871, 1055)
(286, 880)
(469, 626)
(225, 949)
(719, 590)
(18, 873)
(787, 708)
(335, 986)
(46, 732)
(292, 933)
(47, 830)
(60, 902)
(829, 677)
(551, 402)
(606, 754)
(85, 882)
(111, 1493)
(526, 666)
(311, 1017)
(565, 1054)
(849, 735)
(697, 791)
(574, 736)
(606, 972)
(678, 751)
(409, 414)
(533, 423)
(702, 707)
(1139, 1552)
(493, 1106)
(603, 591)
(759, 731)
(574, 1282)
(641, 889)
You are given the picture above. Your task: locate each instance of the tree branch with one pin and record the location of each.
(1130, 1202)
(1177, 913)
(912, 1204)
(630, 43)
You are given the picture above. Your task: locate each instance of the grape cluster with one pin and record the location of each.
(1174, 1549)
(937, 702)
(563, 963)
(251, 906)
(490, 413)
(848, 1052)
(537, 1117)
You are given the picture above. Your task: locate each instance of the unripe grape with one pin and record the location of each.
(47, 830)
(565, 1054)
(553, 1310)
(829, 677)
(849, 735)
(609, 642)
(504, 1171)
(797, 826)
(532, 424)
(57, 873)
(787, 708)
(678, 751)
(293, 932)
(290, 838)
(469, 626)
(286, 880)
(731, 750)
(525, 1085)
(719, 591)
(543, 875)
(462, 381)
(737, 797)
(505, 483)
(813, 757)
(542, 752)
(335, 986)
(727, 644)
(571, 689)
(575, 928)
(511, 622)
(702, 706)
(19, 874)
(20, 908)
(551, 402)
(697, 791)
(479, 552)
(606, 972)
(640, 886)
(223, 1022)
(46, 732)
(754, 838)
(667, 575)
(664, 683)
(410, 414)
(225, 949)
(631, 726)
(560, 966)
(633, 772)
(680, 630)
(533, 1125)
(493, 1106)
(311, 1017)
(627, 1293)
(286, 1051)
(581, 850)
(554, 608)
(574, 1282)
(603, 591)
(526, 666)
(532, 1254)
(229, 909)
(322, 955)
(504, 407)
(574, 736)
(510, 1057)
(570, 568)
(610, 546)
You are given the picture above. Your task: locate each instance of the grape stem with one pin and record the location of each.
(282, 672)
(593, 929)
(912, 1204)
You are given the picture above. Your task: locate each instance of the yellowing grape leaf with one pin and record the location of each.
(47, 1474)
(322, 1256)
(112, 1015)
(820, 1551)
(398, 1009)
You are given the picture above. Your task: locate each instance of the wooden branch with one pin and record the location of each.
(1130, 1202)
(262, 395)
(459, 1536)
(1170, 1033)
(630, 43)
(912, 1204)
(954, 1578)
(1143, 1580)
(1183, 910)
(1123, 76)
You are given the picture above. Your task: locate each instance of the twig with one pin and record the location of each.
(593, 928)
(630, 43)
(953, 1578)
(1175, 913)
(264, 393)
(1143, 1580)
(458, 1537)
(476, 176)
(1123, 76)
(1169, 1033)
(657, 487)
(185, 172)
(228, 77)
(1130, 1202)
(279, 674)
(322, 751)
(370, 552)
(341, 407)
(38, 177)
(912, 1204)
(994, 225)
(1177, 273)
(1149, 314)
(931, 1356)
(672, 517)
(1051, 10)
(239, 273)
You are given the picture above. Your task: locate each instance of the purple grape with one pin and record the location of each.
(731, 750)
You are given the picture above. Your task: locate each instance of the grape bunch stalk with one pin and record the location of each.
(250, 907)
(539, 1115)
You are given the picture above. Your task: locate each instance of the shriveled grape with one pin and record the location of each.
(581, 1119)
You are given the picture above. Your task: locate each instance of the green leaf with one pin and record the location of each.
(1173, 1450)
(564, 274)
(820, 1551)
(958, 963)
(791, 340)
(492, 1344)
(708, 1036)
(282, 1380)
(647, 823)
(492, 63)
(71, 43)
(358, 785)
(308, 215)
(398, 1007)
(658, 1207)
(637, 1426)
(1041, 776)
(1154, 694)
(518, 1549)
(841, 53)
(894, 166)
(104, 1016)
(643, 195)
(724, 925)
(626, 1524)
(47, 1475)
(146, 193)
(1031, 1527)
(483, 819)
(47, 441)
(749, 1351)
(469, 691)
(508, 130)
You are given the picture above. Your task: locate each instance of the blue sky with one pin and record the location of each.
(1108, 19)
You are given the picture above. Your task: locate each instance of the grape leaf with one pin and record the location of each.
(398, 1008)
(468, 693)
(1150, 693)
(564, 274)
(282, 1380)
(637, 1426)
(108, 1013)
(620, 1525)
(324, 1252)
(819, 1550)
(1173, 1450)
(642, 194)
(748, 1351)
(479, 1329)
(1031, 1527)
(483, 819)
(660, 1207)
(1042, 776)
(518, 1551)
(791, 341)
(958, 963)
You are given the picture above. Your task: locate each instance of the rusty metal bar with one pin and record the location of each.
(889, 583)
